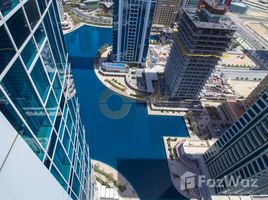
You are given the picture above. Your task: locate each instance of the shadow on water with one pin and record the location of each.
(146, 172)
(119, 131)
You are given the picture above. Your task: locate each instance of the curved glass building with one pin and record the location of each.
(39, 106)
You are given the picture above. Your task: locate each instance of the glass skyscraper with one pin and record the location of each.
(132, 22)
(242, 151)
(37, 92)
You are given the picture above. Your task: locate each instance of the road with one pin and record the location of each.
(246, 34)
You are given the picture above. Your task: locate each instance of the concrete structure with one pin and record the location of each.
(106, 7)
(166, 12)
(43, 150)
(114, 67)
(233, 109)
(238, 73)
(242, 151)
(261, 56)
(198, 46)
(60, 8)
(91, 4)
(132, 21)
(238, 7)
(255, 94)
(188, 3)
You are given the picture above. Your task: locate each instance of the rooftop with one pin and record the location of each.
(225, 23)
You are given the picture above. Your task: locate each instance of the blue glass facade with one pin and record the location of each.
(132, 22)
(37, 92)
(242, 151)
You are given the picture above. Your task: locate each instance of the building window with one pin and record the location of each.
(42, 5)
(20, 127)
(265, 158)
(39, 35)
(261, 104)
(246, 117)
(57, 175)
(48, 61)
(40, 80)
(29, 52)
(52, 106)
(18, 27)
(32, 12)
(7, 5)
(255, 108)
(7, 50)
(62, 162)
(57, 87)
(22, 94)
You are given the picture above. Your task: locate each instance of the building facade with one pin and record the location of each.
(166, 12)
(132, 21)
(38, 102)
(242, 151)
(188, 3)
(60, 9)
(198, 45)
(254, 95)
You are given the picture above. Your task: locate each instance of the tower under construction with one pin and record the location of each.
(200, 40)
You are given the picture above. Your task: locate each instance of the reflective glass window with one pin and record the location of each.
(62, 162)
(22, 93)
(39, 35)
(52, 106)
(7, 50)
(55, 22)
(13, 118)
(40, 79)
(52, 143)
(48, 61)
(29, 52)
(58, 177)
(42, 5)
(76, 185)
(53, 44)
(7, 5)
(57, 87)
(66, 140)
(32, 12)
(62, 128)
(18, 27)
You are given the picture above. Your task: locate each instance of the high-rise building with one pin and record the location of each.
(43, 150)
(132, 22)
(242, 151)
(188, 3)
(202, 37)
(166, 12)
(254, 95)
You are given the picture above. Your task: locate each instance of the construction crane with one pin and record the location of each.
(218, 7)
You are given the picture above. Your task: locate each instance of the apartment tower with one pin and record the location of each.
(254, 95)
(242, 151)
(166, 12)
(43, 150)
(132, 21)
(199, 43)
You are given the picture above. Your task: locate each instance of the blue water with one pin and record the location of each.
(119, 131)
